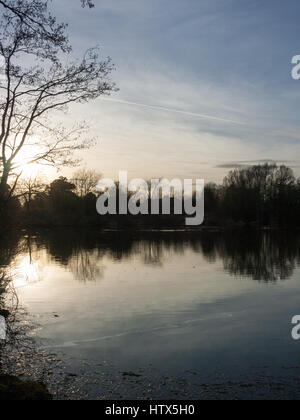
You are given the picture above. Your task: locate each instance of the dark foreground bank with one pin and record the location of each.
(12, 389)
(61, 381)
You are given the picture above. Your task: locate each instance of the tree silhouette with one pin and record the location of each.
(86, 181)
(29, 96)
(28, 188)
(44, 33)
(266, 194)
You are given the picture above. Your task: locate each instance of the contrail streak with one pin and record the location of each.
(191, 114)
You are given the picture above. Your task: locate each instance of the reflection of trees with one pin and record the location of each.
(77, 256)
(151, 252)
(10, 247)
(263, 256)
(84, 266)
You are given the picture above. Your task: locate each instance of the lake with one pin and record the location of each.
(165, 314)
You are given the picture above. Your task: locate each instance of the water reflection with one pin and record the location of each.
(169, 300)
(84, 265)
(266, 257)
(10, 249)
(262, 256)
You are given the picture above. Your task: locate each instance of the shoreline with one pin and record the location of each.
(55, 377)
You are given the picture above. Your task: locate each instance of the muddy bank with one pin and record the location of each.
(55, 376)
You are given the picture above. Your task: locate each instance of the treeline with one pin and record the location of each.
(263, 195)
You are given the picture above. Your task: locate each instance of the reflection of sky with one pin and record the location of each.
(26, 272)
(183, 313)
(218, 63)
(131, 284)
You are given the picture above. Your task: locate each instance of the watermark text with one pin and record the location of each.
(141, 197)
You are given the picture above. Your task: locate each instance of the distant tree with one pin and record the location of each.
(212, 200)
(61, 187)
(264, 193)
(61, 202)
(86, 181)
(28, 188)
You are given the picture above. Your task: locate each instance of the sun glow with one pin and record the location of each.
(22, 163)
(29, 170)
(24, 166)
(26, 272)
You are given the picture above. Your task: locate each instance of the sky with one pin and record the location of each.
(205, 85)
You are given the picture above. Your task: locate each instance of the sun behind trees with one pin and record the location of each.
(31, 96)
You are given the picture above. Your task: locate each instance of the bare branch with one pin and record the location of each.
(30, 96)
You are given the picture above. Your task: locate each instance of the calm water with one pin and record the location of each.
(214, 303)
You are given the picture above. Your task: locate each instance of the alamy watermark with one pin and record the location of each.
(2, 328)
(296, 68)
(296, 329)
(141, 197)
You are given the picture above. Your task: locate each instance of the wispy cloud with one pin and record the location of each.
(176, 111)
(220, 93)
(248, 163)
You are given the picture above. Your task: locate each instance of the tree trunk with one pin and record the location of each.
(3, 183)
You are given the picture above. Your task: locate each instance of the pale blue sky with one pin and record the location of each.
(224, 64)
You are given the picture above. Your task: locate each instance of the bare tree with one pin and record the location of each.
(46, 36)
(46, 31)
(29, 187)
(86, 181)
(29, 95)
